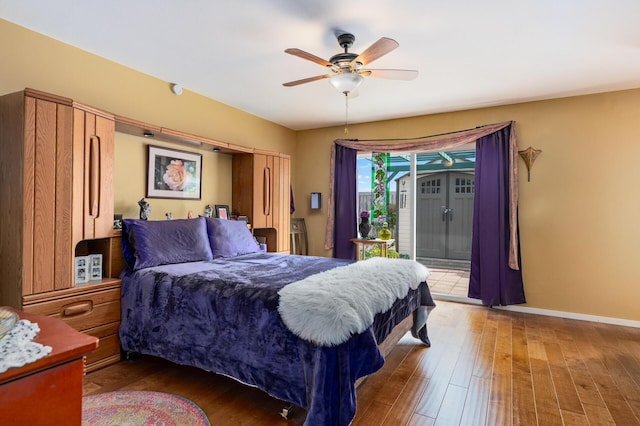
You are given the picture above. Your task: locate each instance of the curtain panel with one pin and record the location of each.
(426, 143)
(492, 279)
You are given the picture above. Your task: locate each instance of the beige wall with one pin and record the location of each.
(130, 186)
(578, 215)
(32, 60)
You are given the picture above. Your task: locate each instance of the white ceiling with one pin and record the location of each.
(469, 53)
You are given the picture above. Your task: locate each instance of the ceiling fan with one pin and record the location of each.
(347, 68)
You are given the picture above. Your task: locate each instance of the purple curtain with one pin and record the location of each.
(492, 280)
(345, 202)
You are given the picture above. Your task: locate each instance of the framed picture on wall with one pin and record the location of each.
(173, 174)
(222, 211)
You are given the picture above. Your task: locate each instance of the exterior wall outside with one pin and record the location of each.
(402, 239)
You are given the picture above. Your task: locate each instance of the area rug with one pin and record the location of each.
(138, 408)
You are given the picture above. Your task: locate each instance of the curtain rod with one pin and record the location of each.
(410, 139)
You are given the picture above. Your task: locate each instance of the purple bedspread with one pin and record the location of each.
(222, 316)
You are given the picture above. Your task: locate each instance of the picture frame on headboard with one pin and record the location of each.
(173, 174)
(222, 211)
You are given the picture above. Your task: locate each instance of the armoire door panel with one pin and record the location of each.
(28, 173)
(44, 207)
(282, 214)
(63, 267)
(89, 130)
(94, 140)
(103, 216)
(260, 192)
(78, 166)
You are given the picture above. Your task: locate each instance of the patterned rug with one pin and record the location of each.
(140, 408)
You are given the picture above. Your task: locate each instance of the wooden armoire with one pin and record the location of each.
(56, 174)
(261, 191)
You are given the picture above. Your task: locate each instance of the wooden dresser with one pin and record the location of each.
(56, 174)
(49, 390)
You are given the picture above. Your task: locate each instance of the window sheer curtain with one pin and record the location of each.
(496, 278)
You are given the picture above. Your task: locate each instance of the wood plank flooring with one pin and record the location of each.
(485, 367)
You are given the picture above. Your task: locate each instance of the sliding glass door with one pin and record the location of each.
(441, 187)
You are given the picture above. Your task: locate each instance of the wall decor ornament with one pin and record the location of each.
(173, 174)
(529, 155)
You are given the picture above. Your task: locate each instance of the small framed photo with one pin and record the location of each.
(82, 269)
(244, 218)
(173, 174)
(95, 266)
(222, 211)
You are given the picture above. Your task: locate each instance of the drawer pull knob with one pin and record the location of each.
(77, 309)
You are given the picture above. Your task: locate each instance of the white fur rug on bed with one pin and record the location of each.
(327, 308)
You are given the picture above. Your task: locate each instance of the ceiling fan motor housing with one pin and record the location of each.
(346, 40)
(343, 60)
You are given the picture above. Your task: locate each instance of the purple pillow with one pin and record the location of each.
(230, 238)
(163, 242)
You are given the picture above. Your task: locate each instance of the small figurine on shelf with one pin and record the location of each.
(145, 209)
(190, 215)
(169, 216)
(208, 211)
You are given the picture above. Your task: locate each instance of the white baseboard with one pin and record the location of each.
(548, 312)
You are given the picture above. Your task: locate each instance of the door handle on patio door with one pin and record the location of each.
(446, 212)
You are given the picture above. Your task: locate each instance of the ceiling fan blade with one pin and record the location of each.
(390, 74)
(376, 50)
(306, 80)
(309, 57)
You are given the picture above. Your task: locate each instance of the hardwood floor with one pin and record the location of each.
(485, 366)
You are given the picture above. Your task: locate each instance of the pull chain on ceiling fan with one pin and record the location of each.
(347, 68)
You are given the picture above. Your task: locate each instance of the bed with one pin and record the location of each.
(304, 329)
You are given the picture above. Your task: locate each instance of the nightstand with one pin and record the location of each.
(49, 390)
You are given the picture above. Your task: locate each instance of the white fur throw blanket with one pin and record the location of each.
(327, 308)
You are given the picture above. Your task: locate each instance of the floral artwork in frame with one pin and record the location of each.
(173, 174)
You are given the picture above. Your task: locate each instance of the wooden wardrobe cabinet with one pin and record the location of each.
(93, 149)
(56, 171)
(261, 190)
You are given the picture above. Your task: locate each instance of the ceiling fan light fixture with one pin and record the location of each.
(346, 82)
